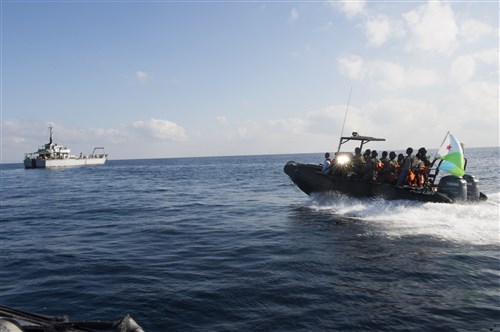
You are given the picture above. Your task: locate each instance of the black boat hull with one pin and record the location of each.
(310, 180)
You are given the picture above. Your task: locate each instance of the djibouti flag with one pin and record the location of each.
(452, 155)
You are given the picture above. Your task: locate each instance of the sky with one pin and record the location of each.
(160, 79)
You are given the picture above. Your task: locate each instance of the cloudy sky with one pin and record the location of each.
(208, 78)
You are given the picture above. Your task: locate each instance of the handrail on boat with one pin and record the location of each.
(98, 148)
(356, 137)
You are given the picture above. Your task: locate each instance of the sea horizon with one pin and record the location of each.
(256, 155)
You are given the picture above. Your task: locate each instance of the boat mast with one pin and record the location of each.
(345, 116)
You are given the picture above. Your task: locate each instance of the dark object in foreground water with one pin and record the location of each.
(12, 320)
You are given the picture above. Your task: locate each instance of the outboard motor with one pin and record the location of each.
(472, 187)
(454, 187)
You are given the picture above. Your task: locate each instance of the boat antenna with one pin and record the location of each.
(345, 117)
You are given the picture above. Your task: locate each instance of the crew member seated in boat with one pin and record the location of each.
(371, 166)
(420, 170)
(408, 163)
(424, 156)
(367, 155)
(384, 159)
(378, 165)
(364, 173)
(358, 163)
(394, 168)
(401, 158)
(326, 163)
(427, 164)
(384, 168)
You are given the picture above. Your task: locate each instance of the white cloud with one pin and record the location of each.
(161, 129)
(242, 131)
(349, 8)
(293, 125)
(480, 98)
(141, 76)
(315, 127)
(14, 139)
(273, 128)
(386, 74)
(462, 69)
(293, 16)
(351, 67)
(472, 29)
(320, 130)
(421, 78)
(11, 133)
(488, 56)
(392, 76)
(393, 113)
(324, 27)
(432, 28)
(378, 30)
(473, 111)
(221, 120)
(329, 120)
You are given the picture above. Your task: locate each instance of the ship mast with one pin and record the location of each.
(50, 131)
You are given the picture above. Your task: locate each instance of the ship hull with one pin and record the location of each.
(68, 162)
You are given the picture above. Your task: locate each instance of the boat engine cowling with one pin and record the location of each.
(454, 187)
(472, 187)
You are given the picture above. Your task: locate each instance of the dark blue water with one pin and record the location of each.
(228, 244)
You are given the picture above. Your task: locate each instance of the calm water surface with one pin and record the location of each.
(229, 244)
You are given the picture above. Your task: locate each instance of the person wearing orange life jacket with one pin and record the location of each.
(417, 172)
(394, 167)
(378, 165)
(425, 158)
(406, 172)
(384, 169)
(421, 169)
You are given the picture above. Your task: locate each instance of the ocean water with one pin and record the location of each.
(229, 244)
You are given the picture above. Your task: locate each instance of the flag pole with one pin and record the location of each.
(444, 139)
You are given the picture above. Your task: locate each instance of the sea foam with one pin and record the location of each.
(474, 223)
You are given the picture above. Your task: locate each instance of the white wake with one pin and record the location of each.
(471, 223)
